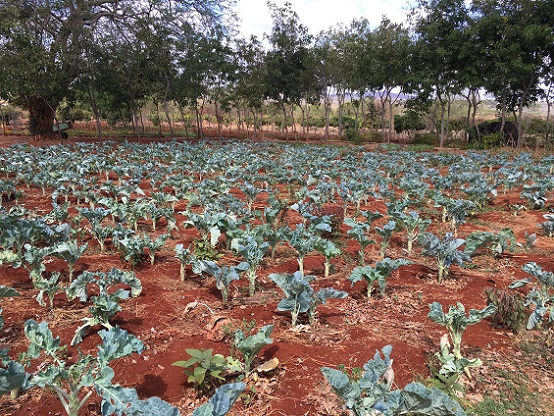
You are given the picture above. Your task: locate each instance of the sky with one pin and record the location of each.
(319, 15)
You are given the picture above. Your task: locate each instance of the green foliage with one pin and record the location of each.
(204, 369)
(300, 296)
(456, 321)
(253, 253)
(251, 345)
(105, 305)
(224, 276)
(69, 380)
(379, 273)
(548, 226)
(445, 252)
(496, 242)
(222, 401)
(372, 393)
(204, 250)
(541, 295)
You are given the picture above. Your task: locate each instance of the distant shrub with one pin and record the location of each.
(426, 138)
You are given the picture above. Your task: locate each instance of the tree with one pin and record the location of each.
(441, 28)
(517, 38)
(41, 43)
(286, 60)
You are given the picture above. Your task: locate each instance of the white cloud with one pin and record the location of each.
(320, 15)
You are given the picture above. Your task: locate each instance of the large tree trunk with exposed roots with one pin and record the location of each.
(41, 117)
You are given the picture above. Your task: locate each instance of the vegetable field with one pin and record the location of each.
(147, 278)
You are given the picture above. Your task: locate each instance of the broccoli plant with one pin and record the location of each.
(253, 252)
(445, 252)
(456, 211)
(456, 321)
(496, 242)
(154, 245)
(224, 275)
(304, 241)
(454, 365)
(250, 346)
(222, 401)
(372, 394)
(300, 296)
(386, 234)
(548, 226)
(50, 286)
(34, 260)
(105, 304)
(186, 256)
(541, 295)
(75, 382)
(380, 273)
(359, 230)
(71, 252)
(413, 224)
(329, 251)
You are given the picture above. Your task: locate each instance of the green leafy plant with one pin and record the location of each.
(253, 253)
(329, 251)
(75, 382)
(386, 234)
(359, 231)
(456, 321)
(185, 257)
(413, 224)
(548, 226)
(204, 369)
(251, 345)
(496, 242)
(300, 296)
(224, 276)
(222, 401)
(106, 303)
(154, 245)
(380, 273)
(70, 251)
(373, 394)
(541, 295)
(445, 252)
(50, 286)
(304, 241)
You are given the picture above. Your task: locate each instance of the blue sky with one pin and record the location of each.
(319, 15)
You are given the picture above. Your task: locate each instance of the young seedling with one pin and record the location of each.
(300, 296)
(413, 224)
(251, 346)
(105, 304)
(359, 230)
(541, 295)
(329, 251)
(386, 234)
(372, 394)
(382, 271)
(445, 252)
(253, 252)
(185, 257)
(224, 276)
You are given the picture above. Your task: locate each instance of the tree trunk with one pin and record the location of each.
(41, 117)
(548, 111)
(166, 109)
(341, 103)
